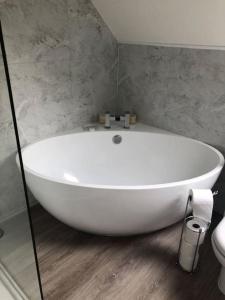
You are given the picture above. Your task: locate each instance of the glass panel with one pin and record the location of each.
(18, 272)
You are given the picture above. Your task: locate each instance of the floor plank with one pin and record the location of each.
(76, 265)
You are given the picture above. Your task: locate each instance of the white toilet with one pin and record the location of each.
(218, 243)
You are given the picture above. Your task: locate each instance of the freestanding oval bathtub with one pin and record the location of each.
(138, 185)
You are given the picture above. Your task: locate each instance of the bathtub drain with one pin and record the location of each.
(117, 139)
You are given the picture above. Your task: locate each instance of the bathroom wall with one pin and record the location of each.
(63, 66)
(177, 89)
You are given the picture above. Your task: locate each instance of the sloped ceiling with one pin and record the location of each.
(199, 23)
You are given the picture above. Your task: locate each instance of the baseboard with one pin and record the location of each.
(16, 212)
(12, 214)
(10, 284)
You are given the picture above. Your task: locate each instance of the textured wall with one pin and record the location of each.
(62, 62)
(181, 90)
(63, 67)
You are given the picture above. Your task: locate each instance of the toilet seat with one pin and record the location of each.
(218, 238)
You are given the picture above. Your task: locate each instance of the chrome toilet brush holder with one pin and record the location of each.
(192, 237)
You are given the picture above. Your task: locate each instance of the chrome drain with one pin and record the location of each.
(117, 139)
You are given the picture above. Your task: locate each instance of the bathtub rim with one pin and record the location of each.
(218, 168)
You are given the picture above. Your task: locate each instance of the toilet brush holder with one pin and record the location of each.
(192, 237)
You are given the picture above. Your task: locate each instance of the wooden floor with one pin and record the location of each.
(80, 266)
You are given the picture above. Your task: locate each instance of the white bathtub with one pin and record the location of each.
(137, 186)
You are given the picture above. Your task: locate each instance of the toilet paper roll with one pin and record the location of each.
(202, 203)
(187, 256)
(187, 249)
(192, 229)
(187, 262)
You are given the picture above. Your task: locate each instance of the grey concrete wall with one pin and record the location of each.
(181, 90)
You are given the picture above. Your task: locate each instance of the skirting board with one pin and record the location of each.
(11, 286)
(12, 214)
(16, 212)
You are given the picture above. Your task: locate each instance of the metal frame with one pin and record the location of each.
(5, 62)
(182, 232)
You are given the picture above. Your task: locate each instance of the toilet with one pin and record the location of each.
(218, 243)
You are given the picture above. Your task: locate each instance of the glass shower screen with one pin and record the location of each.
(19, 276)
